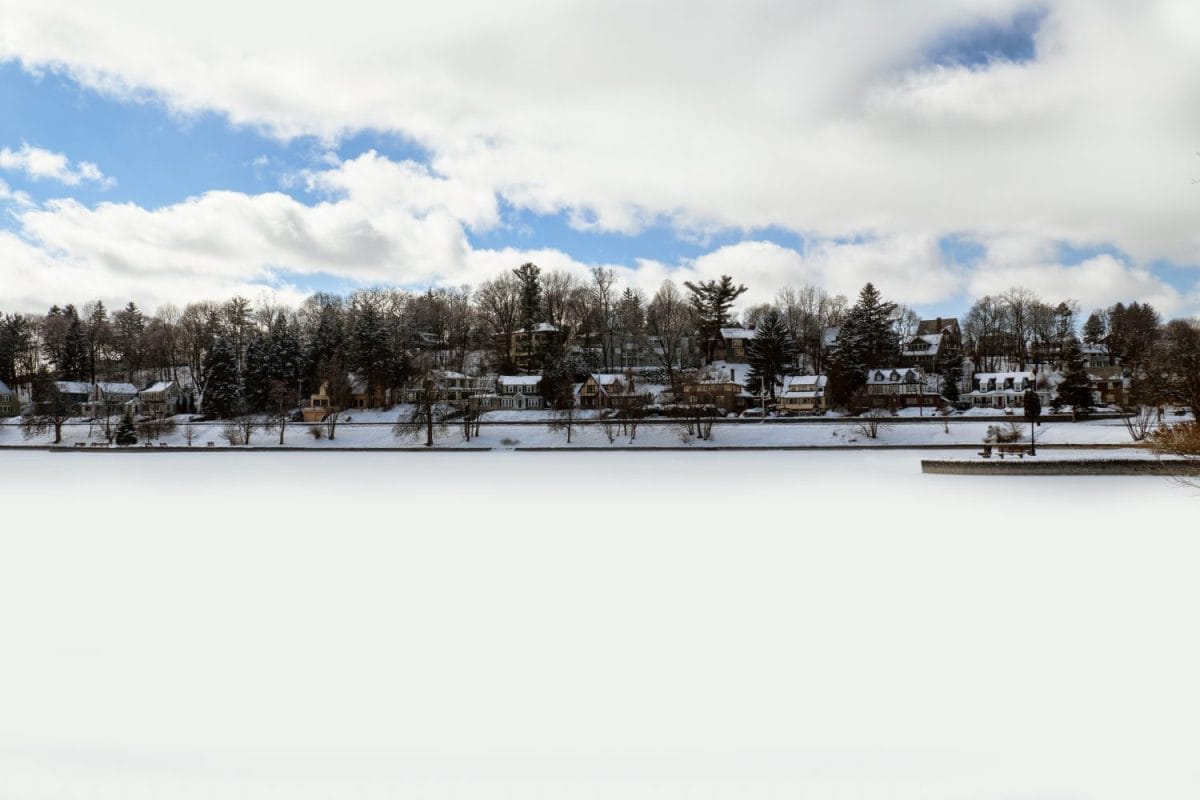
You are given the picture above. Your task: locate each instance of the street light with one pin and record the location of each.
(1033, 411)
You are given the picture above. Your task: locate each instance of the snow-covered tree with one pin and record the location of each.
(126, 434)
(1075, 389)
(771, 353)
(713, 303)
(866, 340)
(223, 384)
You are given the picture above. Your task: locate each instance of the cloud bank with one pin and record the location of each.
(837, 122)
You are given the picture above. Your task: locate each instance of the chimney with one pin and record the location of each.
(732, 375)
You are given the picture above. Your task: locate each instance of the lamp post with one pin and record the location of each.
(1033, 411)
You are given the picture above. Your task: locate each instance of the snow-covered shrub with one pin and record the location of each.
(870, 422)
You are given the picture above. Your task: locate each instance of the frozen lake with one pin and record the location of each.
(579, 625)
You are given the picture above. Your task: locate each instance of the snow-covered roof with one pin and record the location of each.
(519, 380)
(1002, 376)
(812, 382)
(160, 386)
(1093, 349)
(73, 387)
(937, 325)
(932, 343)
(606, 378)
(542, 327)
(83, 387)
(446, 373)
(893, 375)
(4, 388)
(737, 333)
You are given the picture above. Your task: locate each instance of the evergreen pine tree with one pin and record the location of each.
(1075, 389)
(866, 340)
(126, 435)
(370, 350)
(223, 386)
(712, 302)
(950, 362)
(74, 360)
(531, 296)
(128, 326)
(555, 387)
(770, 353)
(1094, 330)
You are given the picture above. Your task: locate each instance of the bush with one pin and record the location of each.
(1180, 439)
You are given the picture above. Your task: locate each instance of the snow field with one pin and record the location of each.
(577, 625)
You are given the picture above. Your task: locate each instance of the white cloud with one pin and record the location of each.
(38, 163)
(377, 221)
(1095, 282)
(820, 118)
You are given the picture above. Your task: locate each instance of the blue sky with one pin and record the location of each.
(772, 210)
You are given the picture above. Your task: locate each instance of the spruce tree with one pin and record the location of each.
(74, 360)
(1075, 389)
(223, 386)
(866, 340)
(126, 435)
(128, 326)
(771, 353)
(950, 362)
(530, 313)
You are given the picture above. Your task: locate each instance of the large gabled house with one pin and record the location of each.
(1004, 389)
(897, 387)
(933, 337)
(97, 399)
(517, 392)
(727, 394)
(9, 406)
(610, 390)
(161, 399)
(524, 347)
(803, 394)
(732, 346)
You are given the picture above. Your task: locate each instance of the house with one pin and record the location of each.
(319, 405)
(161, 399)
(1110, 386)
(450, 387)
(897, 387)
(732, 347)
(363, 398)
(1096, 355)
(516, 392)
(932, 338)
(525, 346)
(1004, 389)
(922, 351)
(946, 327)
(97, 399)
(803, 394)
(610, 390)
(9, 407)
(725, 393)
(457, 388)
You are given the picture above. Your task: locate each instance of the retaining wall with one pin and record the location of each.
(1082, 466)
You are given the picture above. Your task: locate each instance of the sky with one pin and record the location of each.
(942, 150)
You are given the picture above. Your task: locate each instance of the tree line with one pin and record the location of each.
(245, 356)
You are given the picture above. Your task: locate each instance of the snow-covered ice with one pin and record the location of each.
(571, 625)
